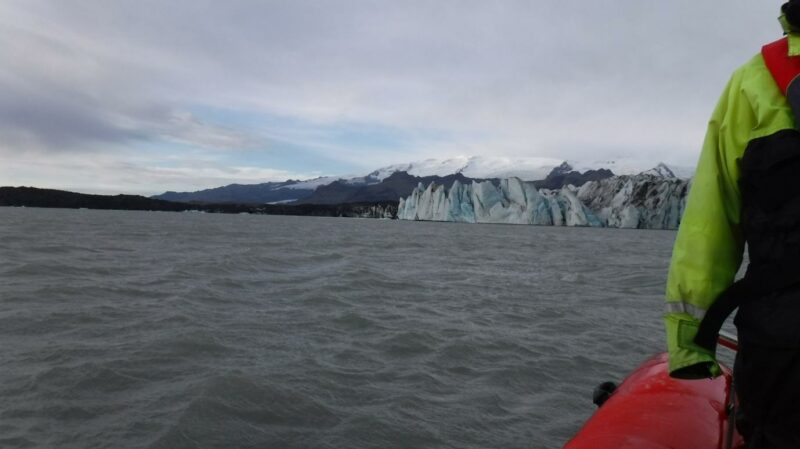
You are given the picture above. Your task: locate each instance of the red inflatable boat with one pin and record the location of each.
(651, 410)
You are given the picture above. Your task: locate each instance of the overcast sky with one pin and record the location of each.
(146, 96)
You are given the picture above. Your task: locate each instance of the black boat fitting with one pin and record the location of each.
(602, 392)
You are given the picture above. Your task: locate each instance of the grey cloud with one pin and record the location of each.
(186, 128)
(529, 74)
(61, 121)
(56, 120)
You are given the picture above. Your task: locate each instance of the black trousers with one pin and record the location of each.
(768, 387)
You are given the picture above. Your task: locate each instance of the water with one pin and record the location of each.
(170, 330)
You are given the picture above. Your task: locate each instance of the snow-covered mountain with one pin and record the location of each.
(480, 167)
(310, 184)
(631, 167)
(525, 168)
(484, 167)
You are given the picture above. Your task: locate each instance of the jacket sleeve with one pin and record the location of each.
(709, 245)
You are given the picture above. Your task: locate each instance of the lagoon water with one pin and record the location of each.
(184, 330)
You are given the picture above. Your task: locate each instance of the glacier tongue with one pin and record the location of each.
(512, 201)
(638, 201)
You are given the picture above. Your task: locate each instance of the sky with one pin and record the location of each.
(145, 96)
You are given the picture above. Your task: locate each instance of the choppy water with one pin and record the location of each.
(167, 330)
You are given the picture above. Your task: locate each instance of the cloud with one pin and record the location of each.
(185, 128)
(514, 78)
(110, 174)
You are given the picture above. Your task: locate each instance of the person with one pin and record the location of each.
(746, 191)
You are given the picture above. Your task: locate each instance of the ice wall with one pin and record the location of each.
(512, 201)
(639, 201)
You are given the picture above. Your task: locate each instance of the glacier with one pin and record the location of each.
(648, 200)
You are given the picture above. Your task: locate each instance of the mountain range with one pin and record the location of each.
(396, 181)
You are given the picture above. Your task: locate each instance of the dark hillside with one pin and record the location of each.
(33, 197)
(399, 184)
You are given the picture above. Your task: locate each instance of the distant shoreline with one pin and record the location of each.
(51, 198)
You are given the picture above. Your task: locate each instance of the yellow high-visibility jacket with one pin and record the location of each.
(709, 245)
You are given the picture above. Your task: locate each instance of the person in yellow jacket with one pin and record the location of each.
(747, 191)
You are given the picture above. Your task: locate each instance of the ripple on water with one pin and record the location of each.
(192, 345)
(235, 411)
(20, 443)
(408, 344)
(161, 330)
(354, 321)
